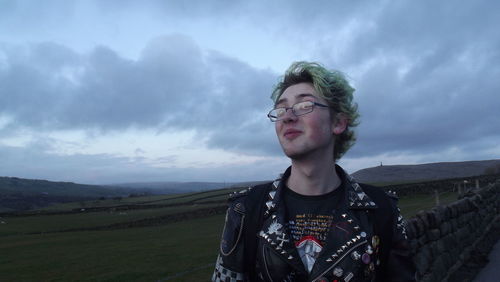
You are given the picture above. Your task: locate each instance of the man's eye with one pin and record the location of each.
(280, 111)
(304, 105)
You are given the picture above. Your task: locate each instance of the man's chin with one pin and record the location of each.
(294, 154)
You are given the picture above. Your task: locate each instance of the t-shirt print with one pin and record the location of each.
(309, 232)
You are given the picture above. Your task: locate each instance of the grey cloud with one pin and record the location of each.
(173, 85)
(426, 77)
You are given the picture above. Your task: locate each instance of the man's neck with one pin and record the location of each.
(313, 177)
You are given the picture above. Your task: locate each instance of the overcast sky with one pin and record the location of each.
(122, 91)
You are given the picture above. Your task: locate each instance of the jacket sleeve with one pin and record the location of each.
(230, 261)
(400, 266)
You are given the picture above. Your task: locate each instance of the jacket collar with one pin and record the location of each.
(356, 197)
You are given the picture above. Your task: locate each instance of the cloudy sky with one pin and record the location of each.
(121, 91)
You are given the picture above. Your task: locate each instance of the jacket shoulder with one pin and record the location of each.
(240, 200)
(383, 199)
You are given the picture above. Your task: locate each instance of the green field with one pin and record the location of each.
(178, 251)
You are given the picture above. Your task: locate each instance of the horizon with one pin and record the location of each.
(227, 182)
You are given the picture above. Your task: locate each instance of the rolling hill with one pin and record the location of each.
(424, 172)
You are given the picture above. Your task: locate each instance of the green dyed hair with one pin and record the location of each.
(332, 86)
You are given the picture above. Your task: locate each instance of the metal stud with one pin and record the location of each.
(355, 255)
(329, 260)
(356, 227)
(283, 252)
(290, 257)
(272, 194)
(273, 216)
(269, 204)
(349, 220)
(344, 215)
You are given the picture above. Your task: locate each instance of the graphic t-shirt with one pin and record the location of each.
(308, 220)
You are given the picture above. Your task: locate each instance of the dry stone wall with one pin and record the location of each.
(444, 238)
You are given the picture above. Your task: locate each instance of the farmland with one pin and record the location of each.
(153, 238)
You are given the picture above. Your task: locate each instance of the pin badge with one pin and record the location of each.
(337, 271)
(365, 258)
(375, 241)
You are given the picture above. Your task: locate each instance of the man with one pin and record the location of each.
(315, 223)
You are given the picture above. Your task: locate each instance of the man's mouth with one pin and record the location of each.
(291, 133)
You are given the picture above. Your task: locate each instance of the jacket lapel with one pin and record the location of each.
(274, 231)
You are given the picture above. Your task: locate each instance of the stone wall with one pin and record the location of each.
(444, 238)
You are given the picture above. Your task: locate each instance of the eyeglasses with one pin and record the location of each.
(298, 109)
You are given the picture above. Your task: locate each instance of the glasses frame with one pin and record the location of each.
(274, 118)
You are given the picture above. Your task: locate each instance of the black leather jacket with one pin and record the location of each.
(372, 246)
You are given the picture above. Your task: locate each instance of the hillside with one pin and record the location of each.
(23, 194)
(423, 172)
(18, 194)
(168, 187)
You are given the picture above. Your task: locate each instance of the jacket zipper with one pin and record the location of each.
(265, 263)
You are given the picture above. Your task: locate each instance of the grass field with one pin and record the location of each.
(179, 251)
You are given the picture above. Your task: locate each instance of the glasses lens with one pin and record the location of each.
(303, 108)
(276, 114)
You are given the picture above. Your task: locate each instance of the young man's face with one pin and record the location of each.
(305, 134)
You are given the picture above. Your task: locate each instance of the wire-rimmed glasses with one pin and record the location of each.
(298, 109)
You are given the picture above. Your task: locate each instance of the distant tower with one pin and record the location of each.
(380, 163)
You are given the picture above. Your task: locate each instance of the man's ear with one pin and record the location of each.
(340, 124)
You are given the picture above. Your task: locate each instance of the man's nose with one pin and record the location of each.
(289, 116)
